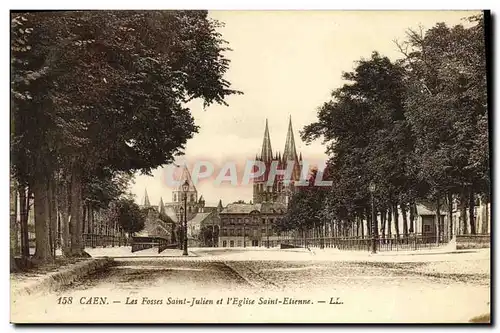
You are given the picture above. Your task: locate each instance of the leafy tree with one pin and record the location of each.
(109, 94)
(128, 215)
(369, 140)
(448, 110)
(304, 208)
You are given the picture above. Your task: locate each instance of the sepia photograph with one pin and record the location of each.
(250, 167)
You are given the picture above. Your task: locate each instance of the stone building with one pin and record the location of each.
(252, 224)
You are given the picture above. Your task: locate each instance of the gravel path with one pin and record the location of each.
(360, 291)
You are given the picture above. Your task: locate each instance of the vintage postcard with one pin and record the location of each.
(191, 166)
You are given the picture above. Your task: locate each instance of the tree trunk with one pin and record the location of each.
(484, 217)
(412, 217)
(404, 211)
(24, 211)
(396, 219)
(40, 190)
(14, 244)
(52, 214)
(389, 222)
(64, 212)
(369, 223)
(76, 214)
(84, 218)
(383, 218)
(450, 214)
(90, 218)
(463, 214)
(438, 219)
(362, 227)
(472, 219)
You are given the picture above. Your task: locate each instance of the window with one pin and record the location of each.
(231, 232)
(238, 232)
(224, 232)
(255, 243)
(175, 197)
(192, 197)
(255, 232)
(263, 231)
(231, 243)
(224, 243)
(427, 228)
(239, 243)
(239, 221)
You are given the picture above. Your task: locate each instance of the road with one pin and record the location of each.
(181, 290)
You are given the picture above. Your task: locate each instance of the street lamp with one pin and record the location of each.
(181, 235)
(244, 232)
(185, 188)
(372, 189)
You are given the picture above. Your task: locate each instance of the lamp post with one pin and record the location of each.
(185, 188)
(372, 189)
(181, 219)
(267, 232)
(213, 234)
(244, 232)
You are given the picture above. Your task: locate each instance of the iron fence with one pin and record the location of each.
(402, 243)
(97, 240)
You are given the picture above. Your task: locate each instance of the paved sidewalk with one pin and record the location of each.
(39, 281)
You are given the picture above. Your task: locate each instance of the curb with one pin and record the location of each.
(65, 277)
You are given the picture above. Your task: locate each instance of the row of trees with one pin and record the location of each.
(97, 96)
(416, 128)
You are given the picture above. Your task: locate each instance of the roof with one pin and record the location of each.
(209, 209)
(425, 210)
(198, 218)
(170, 212)
(267, 207)
(240, 208)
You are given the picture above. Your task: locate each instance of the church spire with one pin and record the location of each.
(186, 176)
(267, 153)
(146, 198)
(162, 206)
(290, 152)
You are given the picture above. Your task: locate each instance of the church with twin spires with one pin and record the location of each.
(252, 224)
(282, 188)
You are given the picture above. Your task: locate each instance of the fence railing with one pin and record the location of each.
(143, 243)
(409, 243)
(96, 240)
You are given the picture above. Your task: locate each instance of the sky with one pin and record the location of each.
(286, 63)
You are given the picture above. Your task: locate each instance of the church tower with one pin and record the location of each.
(289, 157)
(262, 192)
(192, 194)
